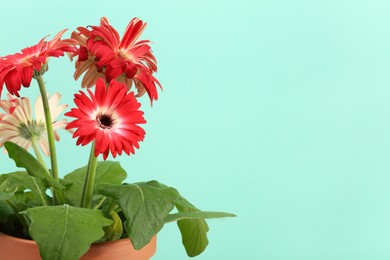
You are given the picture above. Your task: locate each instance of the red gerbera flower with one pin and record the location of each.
(18, 69)
(104, 55)
(110, 117)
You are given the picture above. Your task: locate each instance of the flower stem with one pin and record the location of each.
(89, 180)
(100, 202)
(112, 207)
(36, 151)
(57, 195)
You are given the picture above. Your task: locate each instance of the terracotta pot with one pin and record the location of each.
(12, 248)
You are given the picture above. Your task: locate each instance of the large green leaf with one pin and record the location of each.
(15, 181)
(65, 232)
(193, 231)
(145, 207)
(25, 160)
(106, 172)
(191, 222)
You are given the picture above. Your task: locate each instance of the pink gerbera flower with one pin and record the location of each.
(110, 117)
(17, 70)
(103, 54)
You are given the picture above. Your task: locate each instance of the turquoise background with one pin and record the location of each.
(275, 110)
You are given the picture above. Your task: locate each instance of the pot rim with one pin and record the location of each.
(17, 239)
(29, 241)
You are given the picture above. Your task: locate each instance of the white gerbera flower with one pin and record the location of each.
(18, 126)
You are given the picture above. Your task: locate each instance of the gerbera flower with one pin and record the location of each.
(17, 124)
(103, 54)
(110, 117)
(17, 70)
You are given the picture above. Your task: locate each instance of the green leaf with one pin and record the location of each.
(5, 211)
(193, 227)
(144, 206)
(12, 222)
(106, 172)
(21, 181)
(25, 160)
(197, 215)
(193, 231)
(6, 190)
(65, 232)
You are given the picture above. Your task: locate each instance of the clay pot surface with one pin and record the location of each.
(13, 248)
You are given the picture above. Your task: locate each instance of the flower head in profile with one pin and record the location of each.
(103, 54)
(18, 126)
(110, 117)
(17, 70)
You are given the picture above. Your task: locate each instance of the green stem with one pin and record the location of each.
(89, 181)
(57, 195)
(100, 202)
(36, 151)
(40, 159)
(112, 207)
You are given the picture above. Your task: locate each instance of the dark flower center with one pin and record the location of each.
(105, 121)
